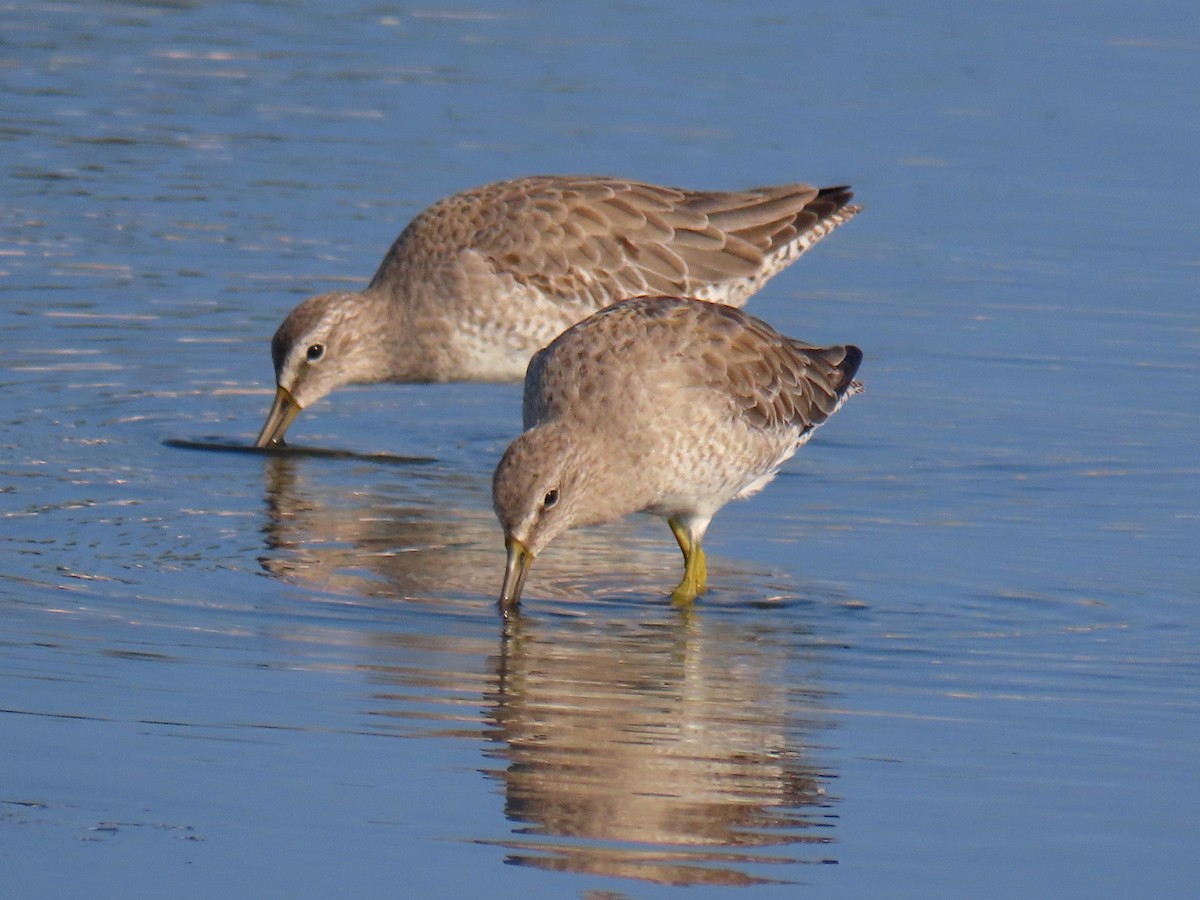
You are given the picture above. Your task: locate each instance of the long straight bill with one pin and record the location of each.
(515, 570)
(283, 411)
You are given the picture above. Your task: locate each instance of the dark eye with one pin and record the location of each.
(315, 352)
(550, 499)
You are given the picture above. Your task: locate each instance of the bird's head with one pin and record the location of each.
(324, 343)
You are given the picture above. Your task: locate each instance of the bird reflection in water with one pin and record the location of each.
(373, 537)
(629, 739)
(426, 534)
(672, 752)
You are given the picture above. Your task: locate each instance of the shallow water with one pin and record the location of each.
(951, 651)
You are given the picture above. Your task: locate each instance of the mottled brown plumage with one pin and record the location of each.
(480, 280)
(659, 405)
(574, 238)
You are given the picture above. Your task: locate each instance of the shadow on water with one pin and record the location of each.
(215, 445)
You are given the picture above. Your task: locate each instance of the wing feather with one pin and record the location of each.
(578, 237)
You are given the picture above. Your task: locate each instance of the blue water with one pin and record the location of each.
(951, 651)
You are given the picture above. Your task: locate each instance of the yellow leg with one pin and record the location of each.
(695, 566)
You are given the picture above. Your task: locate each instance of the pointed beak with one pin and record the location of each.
(283, 411)
(515, 570)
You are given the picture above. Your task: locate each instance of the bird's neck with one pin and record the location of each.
(611, 485)
(412, 345)
(386, 347)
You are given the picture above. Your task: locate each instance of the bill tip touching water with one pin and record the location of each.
(659, 405)
(327, 341)
(479, 281)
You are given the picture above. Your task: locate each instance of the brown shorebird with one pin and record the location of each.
(659, 405)
(479, 281)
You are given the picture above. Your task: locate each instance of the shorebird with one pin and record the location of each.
(479, 281)
(659, 405)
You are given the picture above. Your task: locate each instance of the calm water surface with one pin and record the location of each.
(951, 651)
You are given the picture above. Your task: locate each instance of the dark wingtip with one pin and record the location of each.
(832, 206)
(831, 199)
(849, 366)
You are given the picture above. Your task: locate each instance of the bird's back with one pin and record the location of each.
(591, 240)
(687, 358)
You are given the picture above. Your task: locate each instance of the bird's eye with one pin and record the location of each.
(315, 352)
(550, 499)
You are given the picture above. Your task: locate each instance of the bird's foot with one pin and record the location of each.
(695, 579)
